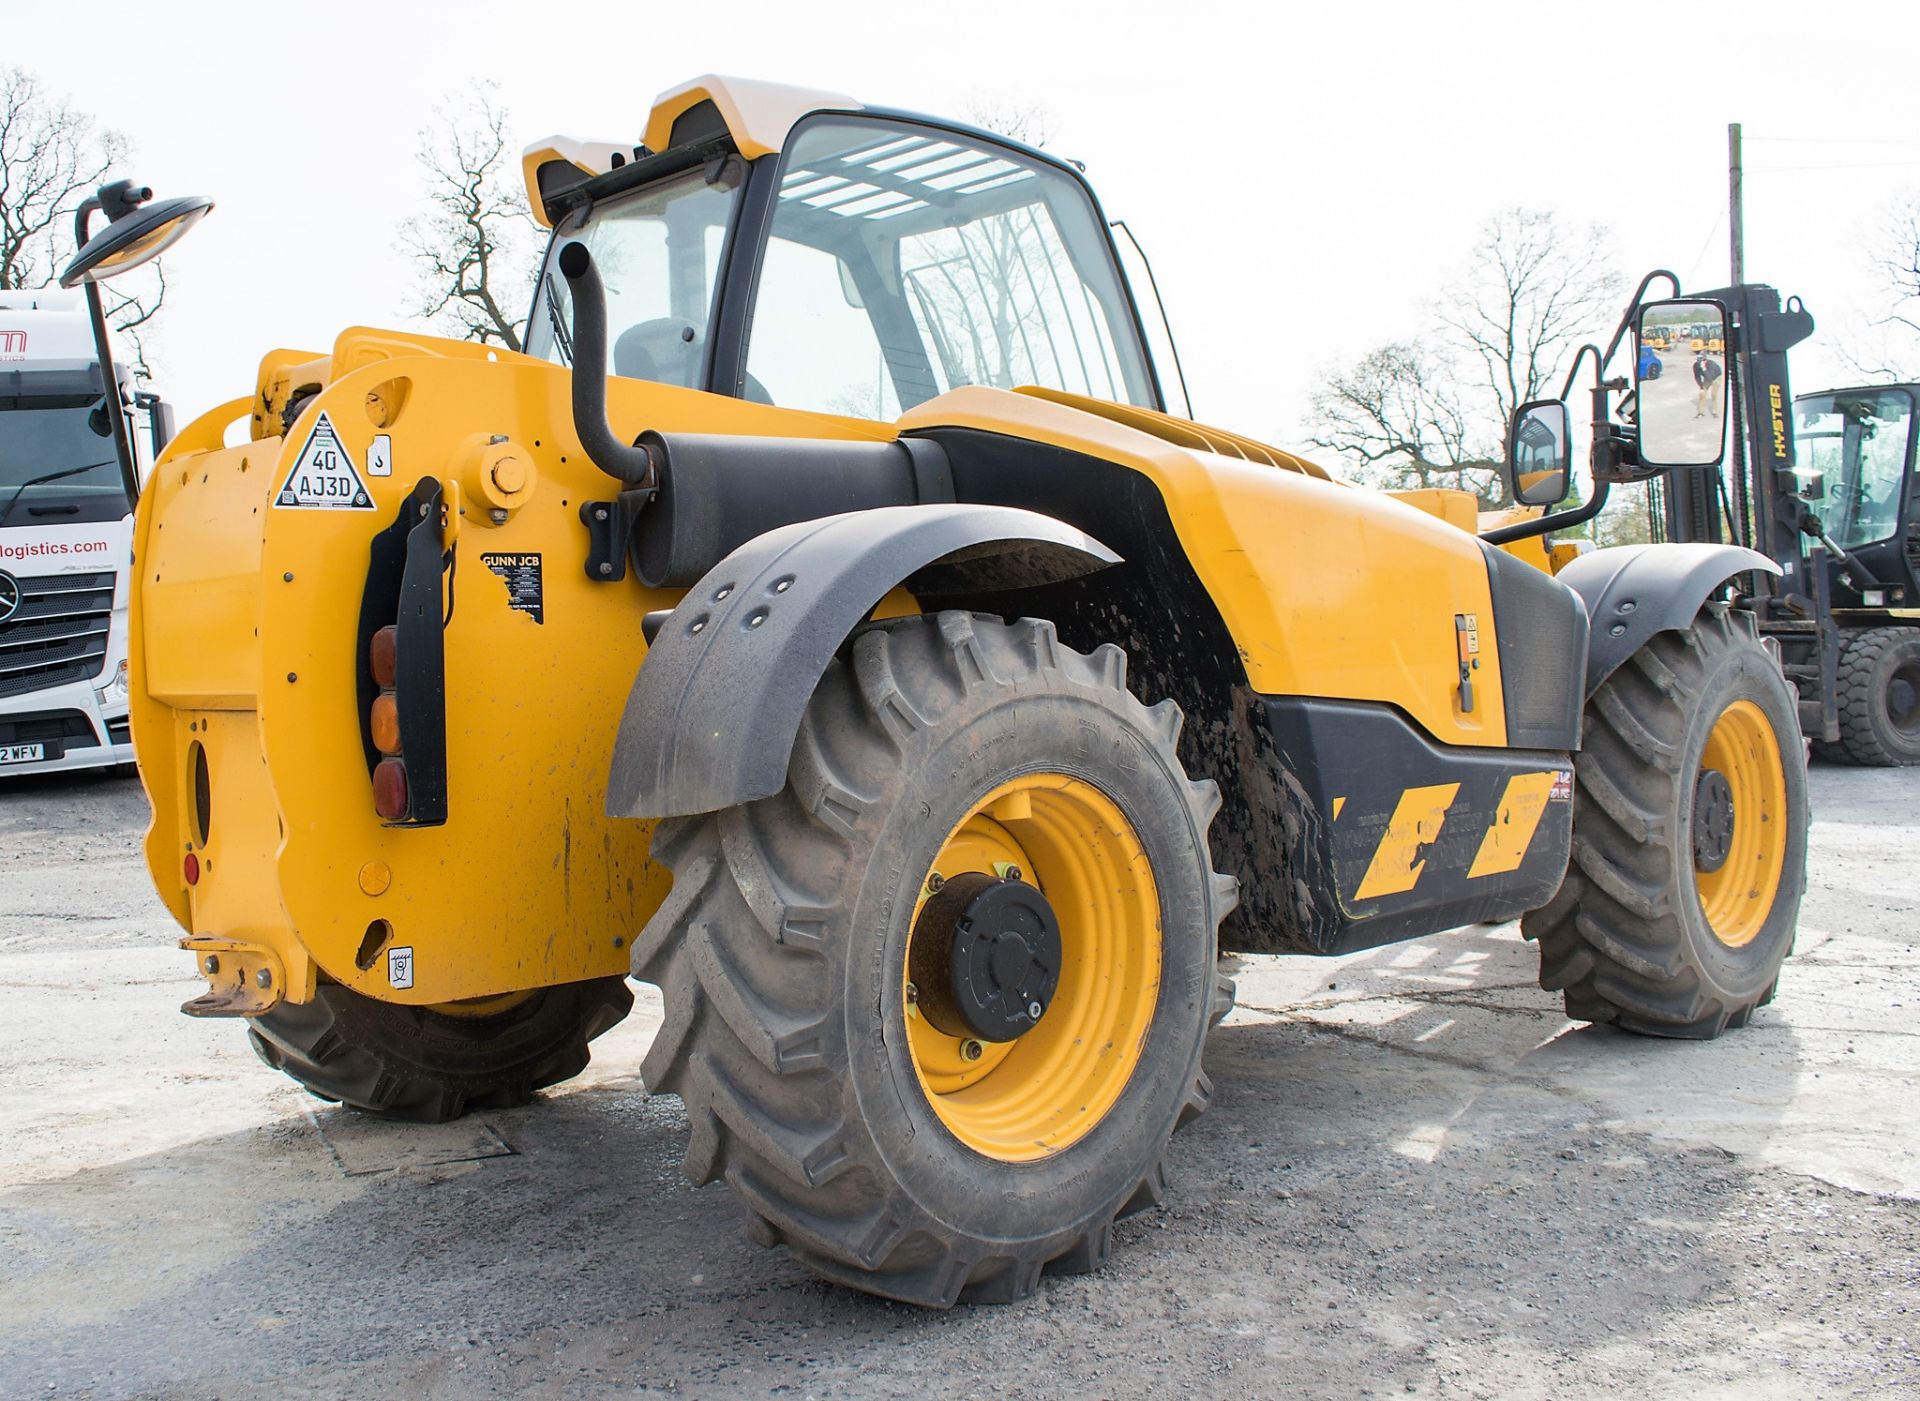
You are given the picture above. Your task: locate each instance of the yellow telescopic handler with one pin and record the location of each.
(827, 621)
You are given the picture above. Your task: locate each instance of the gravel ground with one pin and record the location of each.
(1417, 1179)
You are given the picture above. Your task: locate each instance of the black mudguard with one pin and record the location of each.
(712, 717)
(1635, 591)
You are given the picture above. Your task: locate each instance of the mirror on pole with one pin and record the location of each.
(1680, 380)
(1539, 453)
(137, 232)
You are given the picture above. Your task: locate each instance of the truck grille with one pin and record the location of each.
(59, 633)
(68, 729)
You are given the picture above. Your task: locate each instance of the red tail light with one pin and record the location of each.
(390, 789)
(381, 653)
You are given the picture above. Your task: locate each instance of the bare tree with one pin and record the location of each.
(1396, 412)
(51, 159)
(1888, 346)
(1898, 260)
(1535, 288)
(474, 242)
(1023, 121)
(1433, 411)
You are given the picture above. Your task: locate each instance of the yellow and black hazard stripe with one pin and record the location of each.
(1408, 836)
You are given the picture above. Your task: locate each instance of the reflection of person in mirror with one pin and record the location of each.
(1705, 372)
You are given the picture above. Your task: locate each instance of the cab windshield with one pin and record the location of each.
(1860, 443)
(904, 261)
(658, 250)
(899, 261)
(57, 461)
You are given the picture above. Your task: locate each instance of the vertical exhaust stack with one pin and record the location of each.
(628, 462)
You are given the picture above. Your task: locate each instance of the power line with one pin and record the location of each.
(1719, 218)
(1841, 165)
(1838, 140)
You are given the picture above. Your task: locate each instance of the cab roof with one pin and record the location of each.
(756, 116)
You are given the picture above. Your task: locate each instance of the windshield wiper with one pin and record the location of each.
(562, 338)
(20, 490)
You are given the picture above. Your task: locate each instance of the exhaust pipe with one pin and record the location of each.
(628, 462)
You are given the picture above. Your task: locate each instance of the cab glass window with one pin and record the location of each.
(658, 250)
(1859, 443)
(904, 261)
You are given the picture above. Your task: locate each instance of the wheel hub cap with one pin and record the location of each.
(985, 957)
(1712, 820)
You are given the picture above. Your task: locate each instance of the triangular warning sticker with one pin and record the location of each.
(323, 475)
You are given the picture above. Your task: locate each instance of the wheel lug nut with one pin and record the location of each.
(913, 995)
(971, 1050)
(935, 881)
(1034, 1009)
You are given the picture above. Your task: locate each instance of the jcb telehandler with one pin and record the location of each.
(826, 621)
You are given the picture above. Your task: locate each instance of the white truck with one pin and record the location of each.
(67, 491)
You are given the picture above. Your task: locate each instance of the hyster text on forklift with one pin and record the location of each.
(69, 476)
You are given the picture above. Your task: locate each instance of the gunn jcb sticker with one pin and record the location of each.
(323, 475)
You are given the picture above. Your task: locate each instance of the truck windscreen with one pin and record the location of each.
(57, 462)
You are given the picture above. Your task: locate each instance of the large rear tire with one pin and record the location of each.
(884, 1152)
(1689, 838)
(1879, 697)
(430, 1066)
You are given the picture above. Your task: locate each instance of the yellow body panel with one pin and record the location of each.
(1328, 591)
(1460, 509)
(244, 626)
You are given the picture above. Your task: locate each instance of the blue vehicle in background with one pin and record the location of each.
(1650, 365)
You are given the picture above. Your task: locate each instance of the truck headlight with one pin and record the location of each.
(116, 688)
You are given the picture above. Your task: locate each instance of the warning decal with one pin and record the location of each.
(323, 475)
(522, 575)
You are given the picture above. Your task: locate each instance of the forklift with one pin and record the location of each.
(1857, 461)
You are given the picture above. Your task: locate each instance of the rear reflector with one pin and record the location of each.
(386, 724)
(390, 789)
(380, 656)
(191, 869)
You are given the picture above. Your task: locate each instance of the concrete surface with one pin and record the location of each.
(1417, 1179)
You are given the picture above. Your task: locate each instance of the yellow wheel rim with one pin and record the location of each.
(1737, 897)
(1023, 1100)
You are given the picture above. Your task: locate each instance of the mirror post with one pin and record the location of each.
(116, 411)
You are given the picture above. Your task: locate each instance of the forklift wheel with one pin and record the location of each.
(430, 1065)
(936, 1008)
(1879, 695)
(1689, 838)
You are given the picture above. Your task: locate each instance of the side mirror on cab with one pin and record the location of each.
(1539, 453)
(1680, 377)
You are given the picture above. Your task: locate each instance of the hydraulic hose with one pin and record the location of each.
(626, 461)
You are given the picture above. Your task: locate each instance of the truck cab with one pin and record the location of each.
(66, 530)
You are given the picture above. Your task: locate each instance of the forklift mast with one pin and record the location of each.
(1765, 508)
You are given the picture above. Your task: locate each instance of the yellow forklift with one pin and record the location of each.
(828, 621)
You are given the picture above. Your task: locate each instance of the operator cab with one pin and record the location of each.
(1857, 458)
(788, 248)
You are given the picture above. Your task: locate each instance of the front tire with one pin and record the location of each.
(884, 1152)
(1689, 838)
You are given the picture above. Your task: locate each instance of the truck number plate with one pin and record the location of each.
(22, 753)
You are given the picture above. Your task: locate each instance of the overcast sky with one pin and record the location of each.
(1305, 178)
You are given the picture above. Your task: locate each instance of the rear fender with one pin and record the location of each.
(1635, 591)
(712, 717)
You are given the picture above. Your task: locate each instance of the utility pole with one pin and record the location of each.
(1740, 508)
(1736, 218)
